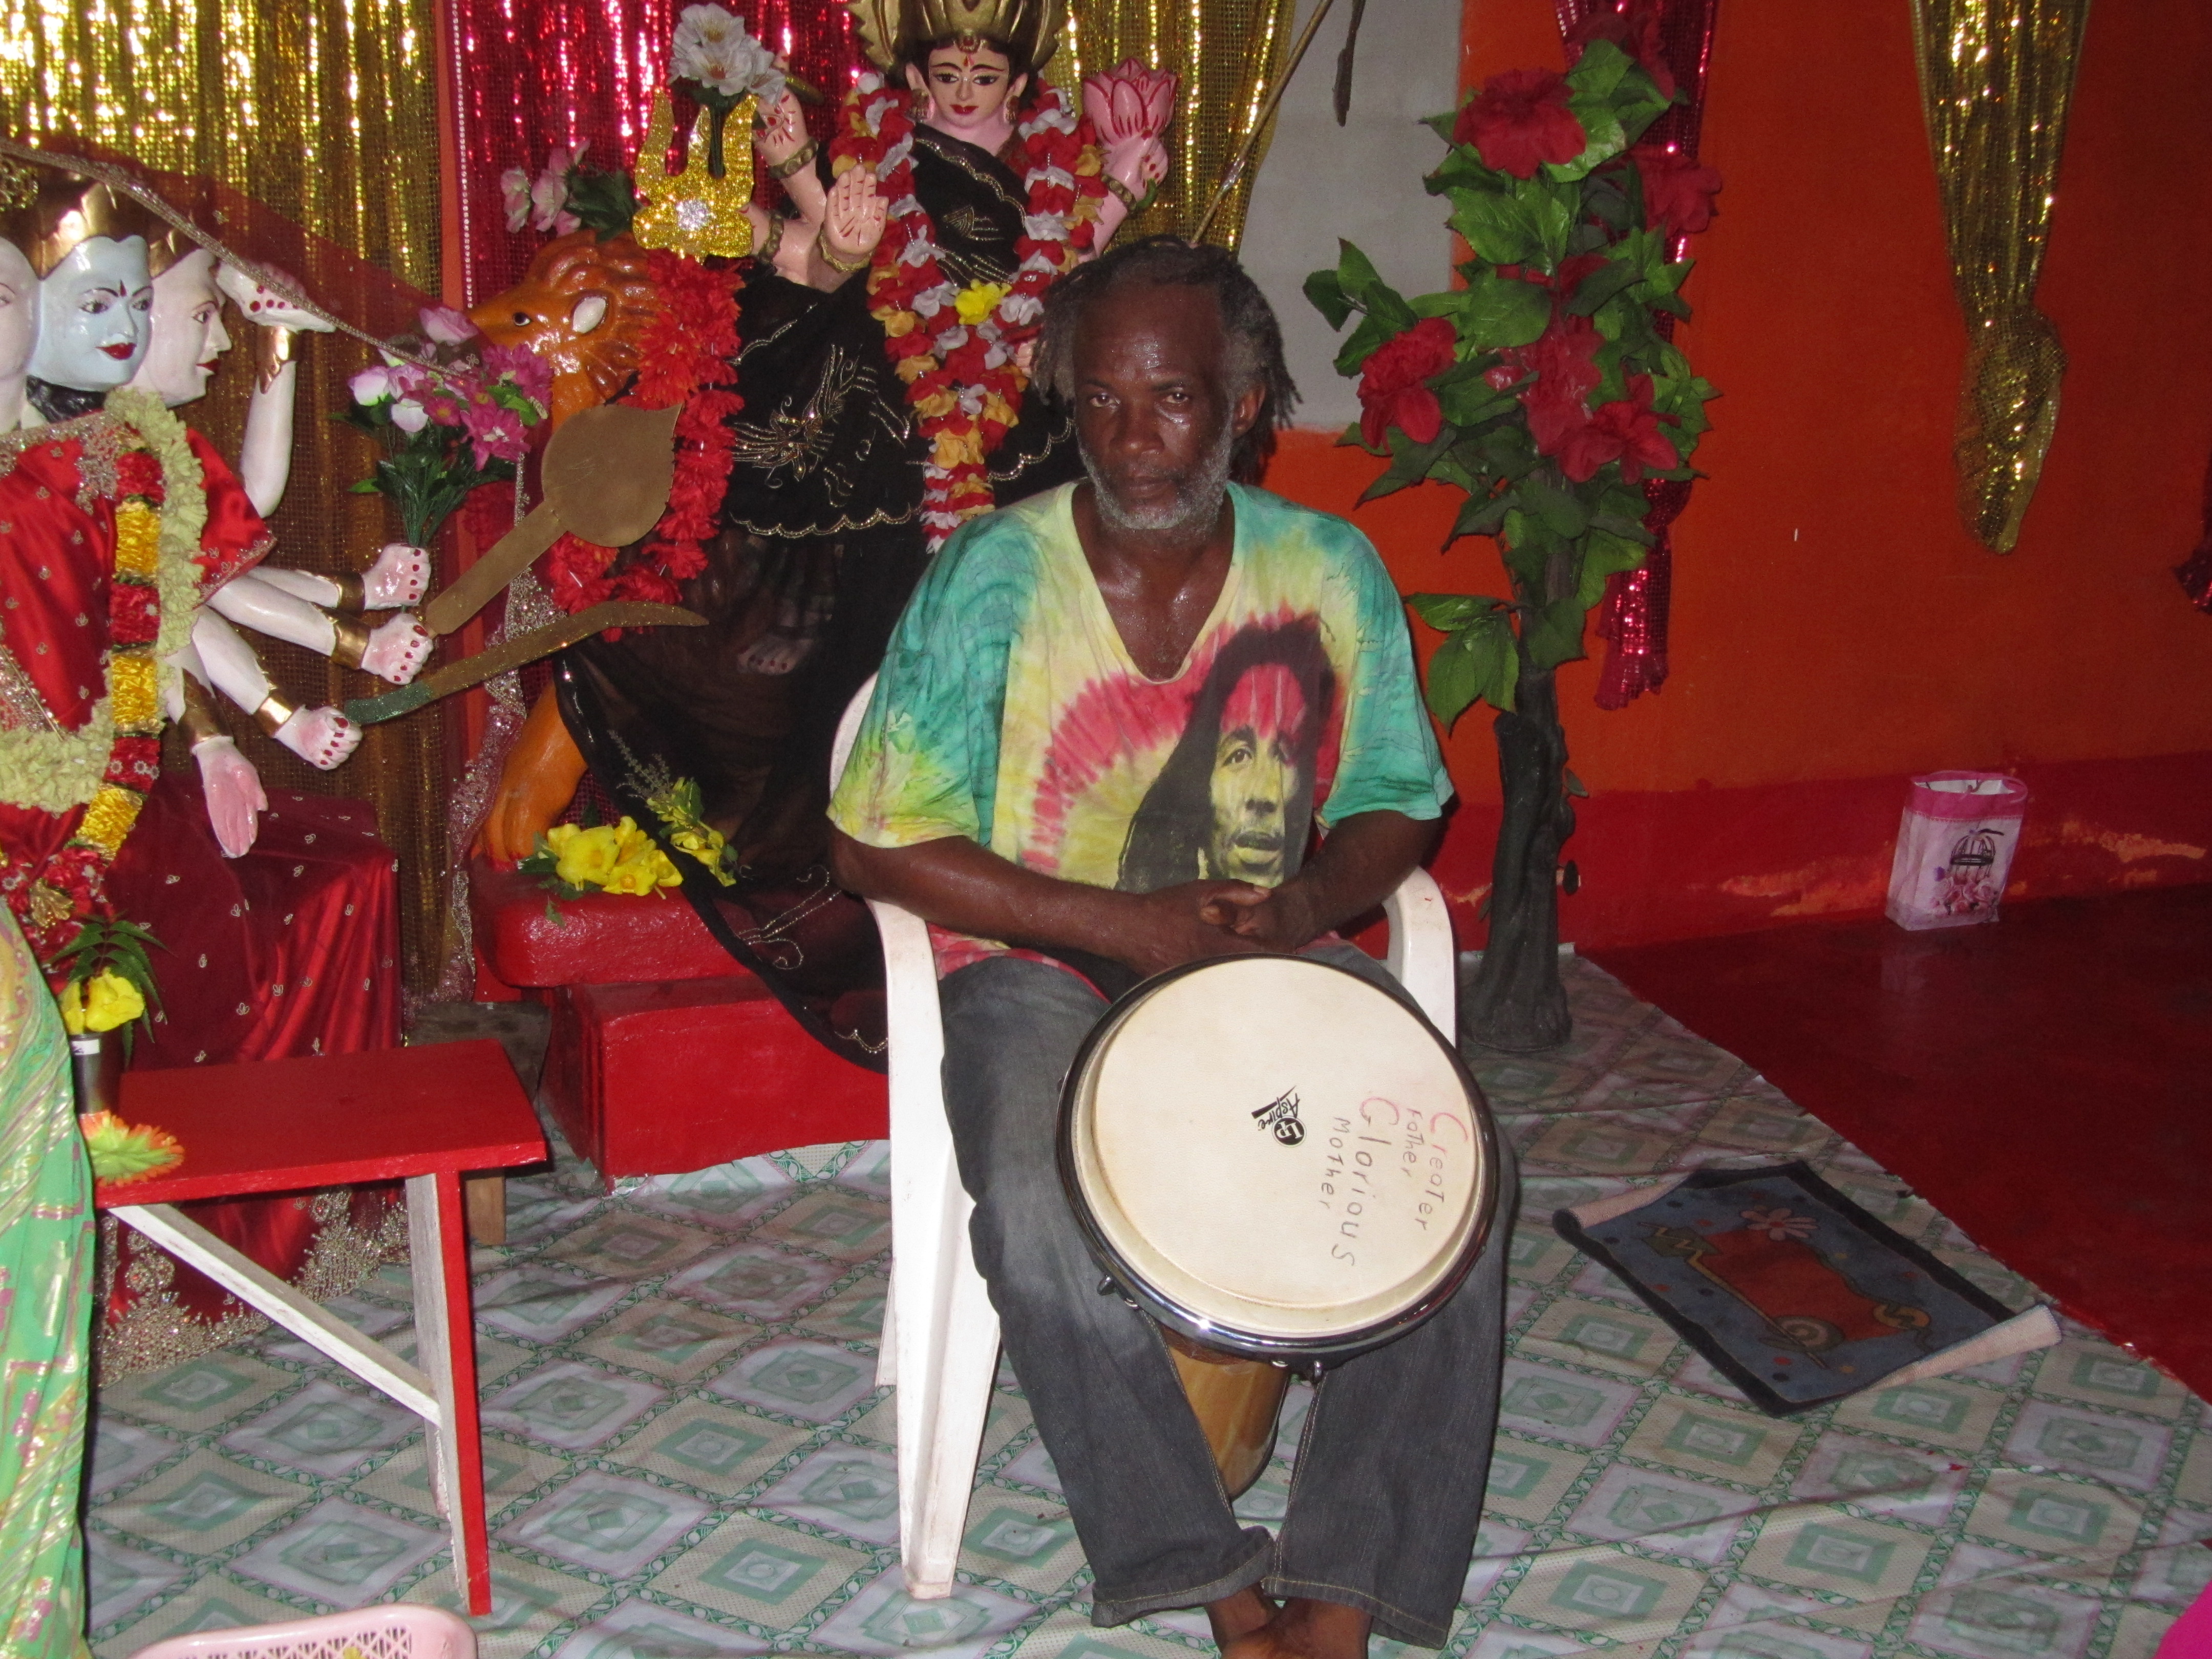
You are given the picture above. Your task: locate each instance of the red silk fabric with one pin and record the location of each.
(1632, 616)
(534, 74)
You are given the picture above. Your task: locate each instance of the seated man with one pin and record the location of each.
(1104, 727)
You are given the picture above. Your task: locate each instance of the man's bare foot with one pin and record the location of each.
(1234, 1617)
(1304, 1629)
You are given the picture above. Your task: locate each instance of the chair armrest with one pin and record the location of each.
(1422, 957)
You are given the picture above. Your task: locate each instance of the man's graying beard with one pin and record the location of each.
(1198, 502)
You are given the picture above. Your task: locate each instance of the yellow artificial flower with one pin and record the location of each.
(558, 837)
(704, 845)
(588, 857)
(108, 819)
(72, 1001)
(996, 408)
(898, 322)
(632, 876)
(911, 369)
(630, 840)
(134, 692)
(137, 539)
(955, 449)
(937, 404)
(111, 1000)
(978, 300)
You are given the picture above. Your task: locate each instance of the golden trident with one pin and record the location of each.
(692, 212)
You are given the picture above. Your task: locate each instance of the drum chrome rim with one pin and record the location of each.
(1127, 1278)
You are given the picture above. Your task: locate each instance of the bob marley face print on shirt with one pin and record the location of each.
(1235, 800)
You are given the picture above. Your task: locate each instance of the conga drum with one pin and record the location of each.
(1283, 1164)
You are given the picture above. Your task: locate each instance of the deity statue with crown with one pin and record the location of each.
(884, 319)
(127, 546)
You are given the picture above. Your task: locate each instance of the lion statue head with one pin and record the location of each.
(583, 306)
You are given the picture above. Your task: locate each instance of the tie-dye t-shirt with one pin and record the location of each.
(1009, 712)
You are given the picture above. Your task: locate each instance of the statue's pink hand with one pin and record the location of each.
(235, 797)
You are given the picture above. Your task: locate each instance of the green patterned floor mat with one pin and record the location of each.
(686, 1454)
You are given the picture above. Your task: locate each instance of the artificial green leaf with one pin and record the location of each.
(1409, 462)
(1603, 554)
(1502, 311)
(1599, 71)
(1325, 292)
(1355, 272)
(1462, 170)
(1554, 634)
(366, 487)
(1498, 228)
(1473, 401)
(1450, 612)
(1441, 123)
(1627, 529)
(1575, 786)
(1453, 680)
(1557, 509)
(1480, 517)
(1551, 211)
(1601, 285)
(1362, 344)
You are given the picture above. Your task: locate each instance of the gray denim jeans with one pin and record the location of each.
(1387, 1491)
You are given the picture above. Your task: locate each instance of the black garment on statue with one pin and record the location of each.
(822, 543)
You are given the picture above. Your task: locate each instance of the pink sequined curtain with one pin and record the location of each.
(532, 73)
(1632, 616)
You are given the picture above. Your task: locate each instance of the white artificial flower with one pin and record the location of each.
(514, 194)
(712, 48)
(409, 416)
(372, 386)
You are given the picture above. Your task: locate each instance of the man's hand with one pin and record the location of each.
(1279, 919)
(1188, 922)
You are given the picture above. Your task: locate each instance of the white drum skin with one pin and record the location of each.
(1277, 1157)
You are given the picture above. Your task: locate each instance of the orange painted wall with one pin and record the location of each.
(1835, 630)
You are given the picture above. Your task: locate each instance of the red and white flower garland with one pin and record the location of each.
(687, 359)
(962, 380)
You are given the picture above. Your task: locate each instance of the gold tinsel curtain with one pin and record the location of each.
(1995, 77)
(1228, 53)
(325, 113)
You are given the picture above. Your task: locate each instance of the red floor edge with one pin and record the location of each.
(2044, 1080)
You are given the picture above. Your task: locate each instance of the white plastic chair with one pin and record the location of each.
(397, 1630)
(940, 1340)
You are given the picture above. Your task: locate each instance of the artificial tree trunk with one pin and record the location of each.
(1517, 1002)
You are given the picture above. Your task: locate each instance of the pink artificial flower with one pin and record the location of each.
(1129, 100)
(409, 416)
(514, 196)
(372, 386)
(494, 433)
(531, 376)
(446, 325)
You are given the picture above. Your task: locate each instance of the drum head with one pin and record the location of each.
(1277, 1157)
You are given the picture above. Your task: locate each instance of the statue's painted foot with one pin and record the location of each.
(396, 651)
(400, 576)
(321, 737)
(774, 653)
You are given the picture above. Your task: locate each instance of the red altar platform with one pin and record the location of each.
(665, 1055)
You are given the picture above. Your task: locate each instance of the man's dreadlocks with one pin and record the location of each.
(1255, 342)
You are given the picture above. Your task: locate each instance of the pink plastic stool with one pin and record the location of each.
(398, 1630)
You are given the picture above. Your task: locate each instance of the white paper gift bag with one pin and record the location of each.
(1954, 849)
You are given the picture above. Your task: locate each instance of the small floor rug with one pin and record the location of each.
(1790, 1290)
(687, 1455)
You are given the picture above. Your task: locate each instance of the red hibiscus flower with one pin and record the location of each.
(1678, 193)
(1519, 121)
(1391, 389)
(1633, 26)
(1626, 431)
(1565, 363)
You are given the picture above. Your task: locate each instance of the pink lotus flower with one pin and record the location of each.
(1129, 101)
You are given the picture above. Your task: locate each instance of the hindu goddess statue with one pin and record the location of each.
(850, 462)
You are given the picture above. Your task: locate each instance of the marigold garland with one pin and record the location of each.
(160, 514)
(963, 379)
(687, 360)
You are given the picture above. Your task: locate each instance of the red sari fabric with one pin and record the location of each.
(290, 951)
